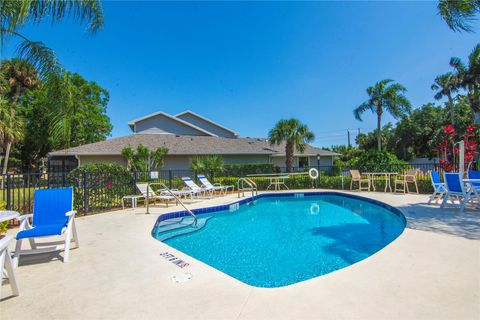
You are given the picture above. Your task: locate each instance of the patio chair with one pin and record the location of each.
(216, 187)
(357, 177)
(7, 263)
(53, 215)
(195, 188)
(456, 190)
(403, 180)
(439, 189)
(474, 175)
(152, 195)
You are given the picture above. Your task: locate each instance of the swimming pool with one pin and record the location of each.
(275, 241)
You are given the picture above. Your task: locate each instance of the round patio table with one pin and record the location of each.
(277, 183)
(383, 176)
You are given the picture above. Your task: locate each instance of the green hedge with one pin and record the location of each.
(326, 182)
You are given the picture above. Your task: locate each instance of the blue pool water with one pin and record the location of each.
(277, 241)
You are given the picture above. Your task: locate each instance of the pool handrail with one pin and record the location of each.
(166, 189)
(252, 186)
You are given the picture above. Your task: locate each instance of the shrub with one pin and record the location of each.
(100, 185)
(377, 161)
(3, 225)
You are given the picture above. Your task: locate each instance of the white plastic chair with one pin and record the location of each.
(7, 264)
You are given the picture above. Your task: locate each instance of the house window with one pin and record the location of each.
(303, 162)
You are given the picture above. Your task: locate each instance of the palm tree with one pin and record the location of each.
(459, 14)
(19, 75)
(468, 78)
(296, 136)
(16, 14)
(11, 129)
(446, 84)
(209, 165)
(384, 96)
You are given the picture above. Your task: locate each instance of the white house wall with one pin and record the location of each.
(325, 161)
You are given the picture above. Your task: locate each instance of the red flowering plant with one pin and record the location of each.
(448, 151)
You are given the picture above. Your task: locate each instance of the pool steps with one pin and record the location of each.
(178, 226)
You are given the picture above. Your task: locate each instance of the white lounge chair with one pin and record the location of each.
(144, 187)
(216, 187)
(456, 189)
(52, 216)
(195, 188)
(7, 263)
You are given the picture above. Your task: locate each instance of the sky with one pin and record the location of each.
(246, 65)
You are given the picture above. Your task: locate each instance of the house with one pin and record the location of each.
(186, 135)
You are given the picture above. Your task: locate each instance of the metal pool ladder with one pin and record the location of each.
(246, 184)
(165, 188)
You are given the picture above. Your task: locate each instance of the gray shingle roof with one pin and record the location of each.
(186, 145)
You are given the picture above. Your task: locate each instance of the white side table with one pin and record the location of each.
(8, 215)
(132, 198)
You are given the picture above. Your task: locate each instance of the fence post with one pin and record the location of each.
(85, 192)
(135, 179)
(8, 204)
(170, 178)
(342, 172)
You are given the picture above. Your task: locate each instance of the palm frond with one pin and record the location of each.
(361, 109)
(459, 14)
(42, 57)
(88, 12)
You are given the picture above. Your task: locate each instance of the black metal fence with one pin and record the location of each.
(99, 191)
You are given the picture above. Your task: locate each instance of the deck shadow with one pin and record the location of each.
(443, 221)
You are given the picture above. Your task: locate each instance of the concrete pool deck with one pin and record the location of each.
(432, 271)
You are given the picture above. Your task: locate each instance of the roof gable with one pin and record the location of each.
(163, 123)
(207, 124)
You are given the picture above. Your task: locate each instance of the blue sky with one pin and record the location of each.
(247, 65)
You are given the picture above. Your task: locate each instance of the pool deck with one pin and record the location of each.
(432, 271)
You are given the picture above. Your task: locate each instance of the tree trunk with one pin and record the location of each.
(379, 127)
(451, 109)
(289, 156)
(5, 160)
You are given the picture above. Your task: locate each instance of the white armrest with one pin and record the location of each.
(71, 213)
(5, 241)
(24, 216)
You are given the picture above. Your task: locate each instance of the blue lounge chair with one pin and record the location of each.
(52, 216)
(439, 189)
(456, 190)
(474, 175)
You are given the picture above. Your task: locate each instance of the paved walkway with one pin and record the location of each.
(430, 272)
